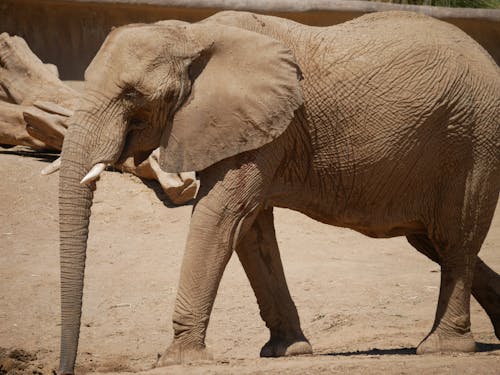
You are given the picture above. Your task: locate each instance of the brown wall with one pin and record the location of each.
(68, 33)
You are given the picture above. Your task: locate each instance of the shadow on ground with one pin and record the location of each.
(375, 351)
(481, 347)
(43, 156)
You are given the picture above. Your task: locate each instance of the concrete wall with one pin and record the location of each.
(68, 33)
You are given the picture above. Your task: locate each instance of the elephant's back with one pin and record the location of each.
(395, 64)
(375, 87)
(429, 65)
(415, 30)
(390, 36)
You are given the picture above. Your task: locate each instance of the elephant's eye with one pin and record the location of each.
(131, 93)
(137, 123)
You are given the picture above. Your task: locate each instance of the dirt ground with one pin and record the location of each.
(364, 304)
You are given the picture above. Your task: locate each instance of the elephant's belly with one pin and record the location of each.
(395, 230)
(373, 223)
(358, 209)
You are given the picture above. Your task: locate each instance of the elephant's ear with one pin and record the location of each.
(244, 97)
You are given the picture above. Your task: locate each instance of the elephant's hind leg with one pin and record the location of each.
(259, 254)
(457, 234)
(451, 330)
(485, 285)
(486, 290)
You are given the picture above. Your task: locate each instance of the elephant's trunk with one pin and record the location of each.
(75, 201)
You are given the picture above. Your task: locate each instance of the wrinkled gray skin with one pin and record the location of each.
(388, 125)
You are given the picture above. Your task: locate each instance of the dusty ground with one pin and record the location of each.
(364, 304)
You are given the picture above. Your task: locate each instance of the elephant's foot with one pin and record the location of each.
(178, 353)
(279, 347)
(440, 342)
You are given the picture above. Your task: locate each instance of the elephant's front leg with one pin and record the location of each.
(207, 252)
(259, 254)
(226, 205)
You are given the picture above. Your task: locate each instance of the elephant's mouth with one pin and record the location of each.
(128, 150)
(140, 135)
(132, 148)
(139, 139)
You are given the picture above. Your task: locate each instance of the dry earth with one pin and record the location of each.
(364, 304)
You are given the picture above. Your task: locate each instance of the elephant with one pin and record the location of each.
(387, 124)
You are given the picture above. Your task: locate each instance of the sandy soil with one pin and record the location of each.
(364, 304)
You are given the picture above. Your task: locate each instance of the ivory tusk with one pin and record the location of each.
(52, 167)
(93, 173)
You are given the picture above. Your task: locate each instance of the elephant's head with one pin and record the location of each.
(201, 92)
